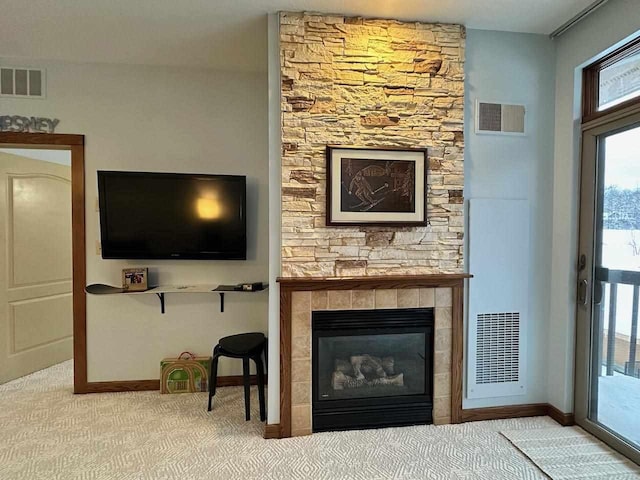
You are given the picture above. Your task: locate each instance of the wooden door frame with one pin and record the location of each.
(74, 144)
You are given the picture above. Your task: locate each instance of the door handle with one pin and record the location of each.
(598, 290)
(582, 291)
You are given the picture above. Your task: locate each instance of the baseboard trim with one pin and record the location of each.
(147, 385)
(238, 381)
(517, 411)
(507, 411)
(272, 430)
(564, 419)
(122, 386)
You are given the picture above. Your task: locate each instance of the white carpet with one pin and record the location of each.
(570, 452)
(46, 432)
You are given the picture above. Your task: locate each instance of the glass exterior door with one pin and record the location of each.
(608, 357)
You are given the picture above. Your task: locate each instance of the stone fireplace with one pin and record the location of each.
(301, 297)
(370, 83)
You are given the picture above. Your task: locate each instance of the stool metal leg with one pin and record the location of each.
(213, 375)
(266, 354)
(260, 372)
(247, 388)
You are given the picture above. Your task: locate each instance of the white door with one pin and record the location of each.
(36, 319)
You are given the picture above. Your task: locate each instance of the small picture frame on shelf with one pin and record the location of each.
(135, 279)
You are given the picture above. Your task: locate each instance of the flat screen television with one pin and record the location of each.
(172, 216)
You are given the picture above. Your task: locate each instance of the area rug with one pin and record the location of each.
(570, 453)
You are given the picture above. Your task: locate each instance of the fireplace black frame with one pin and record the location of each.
(372, 412)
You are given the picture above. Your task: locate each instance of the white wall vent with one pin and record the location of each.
(498, 304)
(499, 118)
(22, 82)
(498, 348)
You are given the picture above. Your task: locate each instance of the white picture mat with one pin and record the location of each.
(417, 157)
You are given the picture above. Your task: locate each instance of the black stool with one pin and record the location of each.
(247, 346)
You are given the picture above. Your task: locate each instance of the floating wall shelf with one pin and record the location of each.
(160, 291)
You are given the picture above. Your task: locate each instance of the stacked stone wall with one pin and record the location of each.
(359, 82)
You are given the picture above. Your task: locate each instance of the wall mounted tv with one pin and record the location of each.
(172, 216)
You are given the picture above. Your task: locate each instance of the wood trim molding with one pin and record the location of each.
(146, 385)
(78, 242)
(75, 144)
(517, 411)
(507, 411)
(367, 283)
(41, 139)
(272, 430)
(564, 419)
(238, 381)
(285, 362)
(122, 386)
(457, 352)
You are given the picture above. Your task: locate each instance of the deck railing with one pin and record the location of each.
(615, 278)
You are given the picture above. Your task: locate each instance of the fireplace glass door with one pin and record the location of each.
(372, 368)
(366, 366)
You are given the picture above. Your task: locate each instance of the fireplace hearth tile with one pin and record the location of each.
(442, 384)
(443, 297)
(408, 298)
(442, 362)
(300, 393)
(442, 420)
(441, 407)
(443, 340)
(363, 299)
(427, 297)
(319, 300)
(443, 317)
(386, 299)
(301, 347)
(301, 302)
(300, 325)
(300, 418)
(301, 370)
(339, 299)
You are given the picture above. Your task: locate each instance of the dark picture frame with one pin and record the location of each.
(376, 186)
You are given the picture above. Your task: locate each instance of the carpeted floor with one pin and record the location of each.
(46, 432)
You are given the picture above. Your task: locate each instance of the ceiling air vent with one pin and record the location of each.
(498, 348)
(499, 118)
(22, 82)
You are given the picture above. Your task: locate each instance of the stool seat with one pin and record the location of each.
(243, 343)
(247, 346)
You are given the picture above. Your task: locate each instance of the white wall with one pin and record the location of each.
(609, 26)
(275, 218)
(169, 120)
(516, 68)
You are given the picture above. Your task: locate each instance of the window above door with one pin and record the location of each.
(612, 82)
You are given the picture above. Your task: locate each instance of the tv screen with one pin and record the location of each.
(171, 215)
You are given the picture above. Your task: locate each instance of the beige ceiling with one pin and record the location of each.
(225, 34)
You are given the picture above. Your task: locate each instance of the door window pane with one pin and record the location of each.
(616, 380)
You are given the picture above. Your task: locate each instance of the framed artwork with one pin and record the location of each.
(376, 186)
(135, 279)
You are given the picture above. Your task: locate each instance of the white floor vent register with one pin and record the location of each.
(498, 297)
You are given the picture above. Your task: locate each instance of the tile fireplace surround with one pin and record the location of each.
(301, 296)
